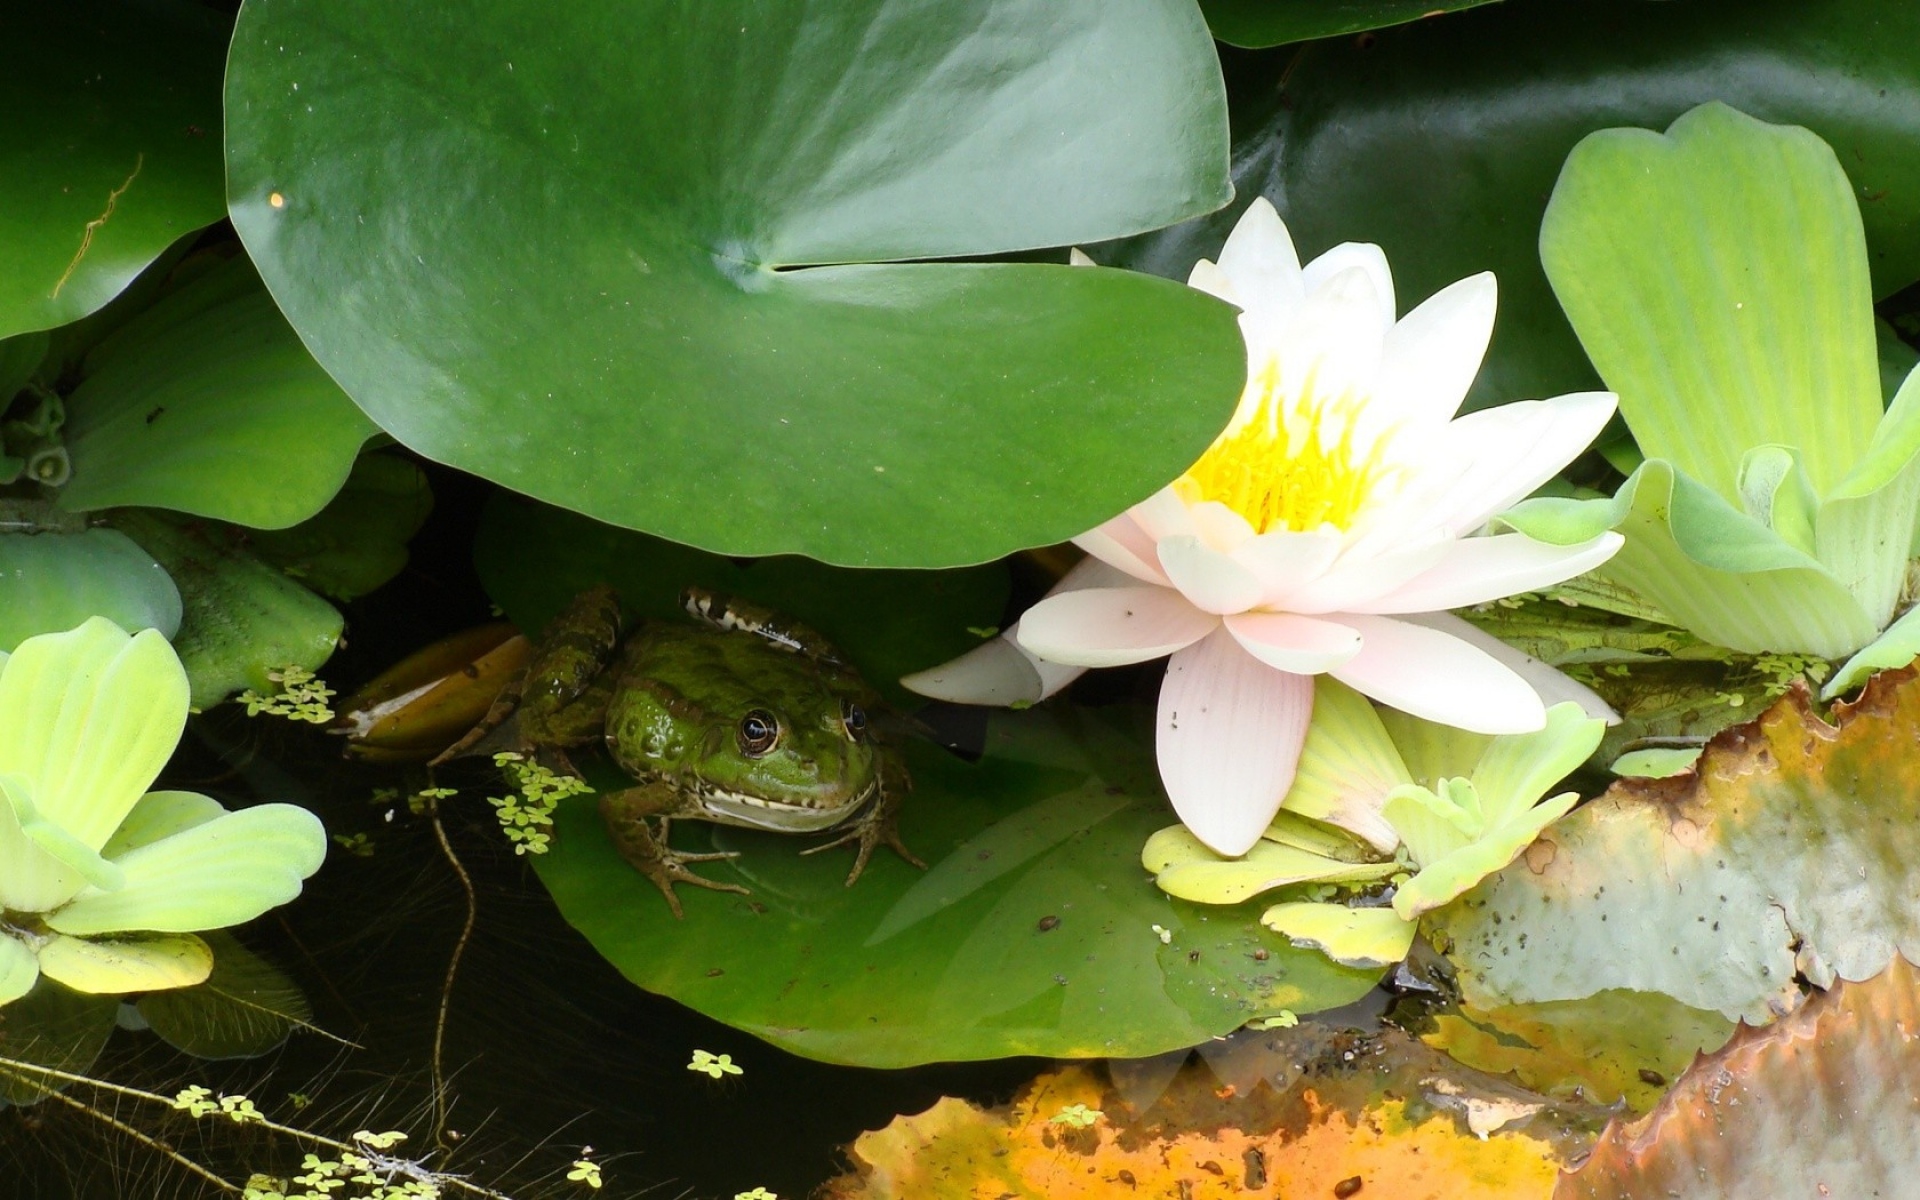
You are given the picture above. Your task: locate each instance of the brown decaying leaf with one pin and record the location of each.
(1329, 1114)
(1822, 1103)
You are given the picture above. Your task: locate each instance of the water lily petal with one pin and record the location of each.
(88, 718)
(1433, 353)
(1207, 277)
(1076, 257)
(1332, 346)
(1438, 677)
(1515, 448)
(1162, 515)
(1362, 573)
(1478, 569)
(19, 969)
(1219, 526)
(1230, 729)
(1261, 263)
(1551, 684)
(1212, 581)
(1000, 670)
(1111, 627)
(1290, 642)
(1347, 256)
(214, 874)
(1122, 544)
(1286, 561)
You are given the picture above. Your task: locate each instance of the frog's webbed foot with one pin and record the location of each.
(880, 824)
(646, 848)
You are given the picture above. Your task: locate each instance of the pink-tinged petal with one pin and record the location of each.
(1517, 447)
(1551, 685)
(1261, 262)
(1438, 677)
(1286, 561)
(1347, 256)
(1212, 581)
(1434, 352)
(1289, 642)
(1207, 277)
(1480, 569)
(1359, 575)
(1230, 731)
(1162, 515)
(1123, 545)
(1219, 526)
(999, 671)
(1111, 627)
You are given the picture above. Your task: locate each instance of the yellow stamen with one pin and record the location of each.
(1288, 465)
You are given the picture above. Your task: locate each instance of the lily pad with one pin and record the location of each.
(112, 150)
(1258, 23)
(359, 540)
(1033, 931)
(533, 559)
(50, 582)
(1792, 852)
(1300, 1112)
(241, 618)
(684, 305)
(1476, 112)
(1822, 1103)
(208, 404)
(1613, 1045)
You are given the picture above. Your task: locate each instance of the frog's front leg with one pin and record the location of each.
(880, 823)
(629, 815)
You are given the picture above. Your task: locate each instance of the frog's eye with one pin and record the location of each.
(855, 719)
(759, 733)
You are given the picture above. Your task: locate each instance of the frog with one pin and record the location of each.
(739, 717)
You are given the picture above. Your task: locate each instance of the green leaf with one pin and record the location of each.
(1476, 112)
(1655, 763)
(1183, 866)
(113, 150)
(1791, 853)
(1866, 528)
(208, 404)
(1363, 938)
(1258, 23)
(51, 582)
(1714, 570)
(1717, 277)
(667, 313)
(159, 815)
(241, 618)
(246, 1007)
(1347, 766)
(359, 540)
(134, 963)
(1896, 646)
(1031, 933)
(534, 559)
(208, 876)
(19, 969)
(51, 1026)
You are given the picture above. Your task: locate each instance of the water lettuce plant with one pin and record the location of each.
(1457, 807)
(103, 884)
(1326, 530)
(1717, 274)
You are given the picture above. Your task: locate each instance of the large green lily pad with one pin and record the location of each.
(54, 581)
(1032, 933)
(1823, 1103)
(623, 257)
(1474, 114)
(208, 404)
(110, 150)
(1257, 23)
(533, 559)
(1794, 852)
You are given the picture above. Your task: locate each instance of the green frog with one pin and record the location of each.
(741, 718)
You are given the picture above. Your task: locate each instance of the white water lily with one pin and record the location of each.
(1326, 530)
(103, 883)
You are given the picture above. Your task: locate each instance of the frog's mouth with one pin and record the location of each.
(758, 812)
